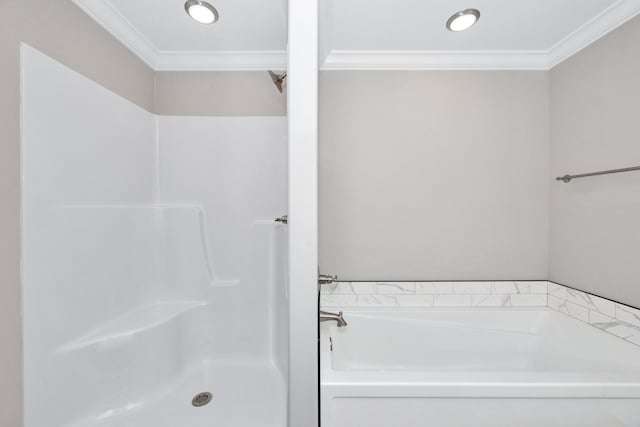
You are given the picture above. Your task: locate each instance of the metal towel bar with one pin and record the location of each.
(568, 178)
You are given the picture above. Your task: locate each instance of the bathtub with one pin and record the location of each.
(475, 367)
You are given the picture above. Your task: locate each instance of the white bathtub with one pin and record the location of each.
(476, 367)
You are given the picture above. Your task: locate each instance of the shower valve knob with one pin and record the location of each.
(282, 219)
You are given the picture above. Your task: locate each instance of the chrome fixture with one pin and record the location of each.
(284, 219)
(326, 279)
(326, 316)
(201, 11)
(463, 20)
(568, 178)
(278, 79)
(201, 399)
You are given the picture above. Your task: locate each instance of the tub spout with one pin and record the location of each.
(325, 315)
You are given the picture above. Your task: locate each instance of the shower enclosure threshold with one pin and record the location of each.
(244, 394)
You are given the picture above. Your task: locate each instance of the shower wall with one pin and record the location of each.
(89, 246)
(235, 169)
(232, 181)
(149, 246)
(63, 31)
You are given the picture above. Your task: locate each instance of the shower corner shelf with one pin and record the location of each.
(131, 323)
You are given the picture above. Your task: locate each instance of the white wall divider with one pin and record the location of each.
(303, 212)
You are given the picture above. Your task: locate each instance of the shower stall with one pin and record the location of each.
(154, 275)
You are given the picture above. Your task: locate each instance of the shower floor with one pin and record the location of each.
(244, 395)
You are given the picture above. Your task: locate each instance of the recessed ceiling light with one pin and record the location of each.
(463, 20)
(201, 11)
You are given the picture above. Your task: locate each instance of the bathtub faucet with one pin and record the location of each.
(325, 315)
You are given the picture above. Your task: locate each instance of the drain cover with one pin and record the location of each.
(201, 399)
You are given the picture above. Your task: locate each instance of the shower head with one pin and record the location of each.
(278, 79)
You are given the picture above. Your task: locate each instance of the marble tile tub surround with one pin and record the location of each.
(612, 317)
(435, 294)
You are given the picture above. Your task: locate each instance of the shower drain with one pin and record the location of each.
(201, 399)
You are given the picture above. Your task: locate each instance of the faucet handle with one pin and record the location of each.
(327, 279)
(284, 219)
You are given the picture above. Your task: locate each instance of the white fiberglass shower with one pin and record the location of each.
(153, 270)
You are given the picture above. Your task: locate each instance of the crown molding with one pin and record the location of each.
(119, 27)
(116, 24)
(243, 60)
(111, 20)
(608, 20)
(435, 60)
(602, 24)
(325, 12)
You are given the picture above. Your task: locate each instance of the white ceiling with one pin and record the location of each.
(250, 34)
(244, 25)
(420, 24)
(364, 34)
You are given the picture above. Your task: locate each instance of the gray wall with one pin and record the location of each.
(240, 93)
(434, 175)
(595, 111)
(62, 31)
